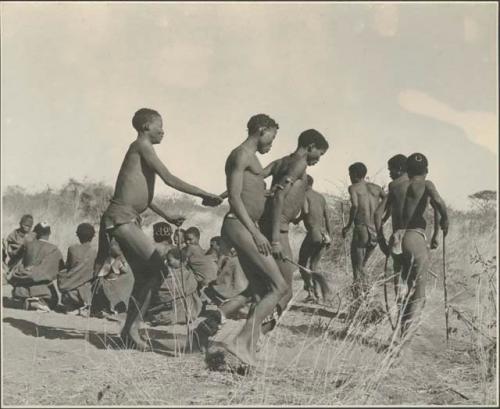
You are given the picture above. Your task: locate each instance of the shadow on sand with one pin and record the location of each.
(170, 344)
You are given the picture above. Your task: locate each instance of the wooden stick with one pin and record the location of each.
(445, 290)
(345, 245)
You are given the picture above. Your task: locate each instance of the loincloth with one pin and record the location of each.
(118, 213)
(396, 242)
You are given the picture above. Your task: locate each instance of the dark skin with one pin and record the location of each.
(392, 206)
(316, 221)
(365, 198)
(246, 193)
(420, 193)
(135, 188)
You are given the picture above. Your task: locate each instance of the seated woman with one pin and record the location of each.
(113, 285)
(75, 282)
(177, 301)
(32, 279)
(13, 245)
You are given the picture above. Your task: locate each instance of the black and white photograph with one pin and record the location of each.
(254, 204)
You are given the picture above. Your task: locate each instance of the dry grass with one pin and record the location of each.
(309, 359)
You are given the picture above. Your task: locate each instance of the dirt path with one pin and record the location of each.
(56, 359)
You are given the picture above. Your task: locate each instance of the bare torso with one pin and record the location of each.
(136, 181)
(314, 218)
(295, 196)
(253, 187)
(368, 199)
(417, 199)
(397, 196)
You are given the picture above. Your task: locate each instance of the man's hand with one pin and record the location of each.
(434, 243)
(344, 231)
(276, 250)
(262, 243)
(444, 224)
(176, 220)
(211, 200)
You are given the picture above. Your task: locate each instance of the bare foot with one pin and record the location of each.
(242, 353)
(132, 340)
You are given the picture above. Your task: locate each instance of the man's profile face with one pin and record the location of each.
(26, 225)
(313, 155)
(156, 130)
(266, 140)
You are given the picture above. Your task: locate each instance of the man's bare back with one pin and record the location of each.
(314, 218)
(368, 198)
(397, 195)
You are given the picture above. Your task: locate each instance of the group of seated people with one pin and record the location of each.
(41, 280)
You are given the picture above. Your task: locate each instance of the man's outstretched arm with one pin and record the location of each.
(149, 155)
(175, 219)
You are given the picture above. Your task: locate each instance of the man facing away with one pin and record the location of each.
(32, 279)
(134, 192)
(315, 216)
(75, 281)
(415, 255)
(365, 198)
(392, 206)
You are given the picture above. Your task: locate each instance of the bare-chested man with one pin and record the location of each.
(288, 189)
(316, 221)
(246, 191)
(133, 194)
(365, 198)
(392, 206)
(415, 255)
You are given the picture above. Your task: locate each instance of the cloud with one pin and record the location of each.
(386, 19)
(480, 127)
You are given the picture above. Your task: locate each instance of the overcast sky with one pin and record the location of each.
(375, 79)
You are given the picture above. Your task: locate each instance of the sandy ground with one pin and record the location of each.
(57, 359)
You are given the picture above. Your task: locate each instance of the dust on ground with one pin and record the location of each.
(57, 359)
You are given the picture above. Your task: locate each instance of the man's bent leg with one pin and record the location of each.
(415, 249)
(147, 266)
(304, 256)
(255, 265)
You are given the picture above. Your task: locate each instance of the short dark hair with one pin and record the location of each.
(161, 231)
(260, 121)
(310, 180)
(42, 229)
(217, 239)
(142, 117)
(358, 169)
(25, 217)
(417, 164)
(312, 136)
(398, 162)
(194, 231)
(85, 232)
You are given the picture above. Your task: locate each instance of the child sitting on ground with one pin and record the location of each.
(177, 301)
